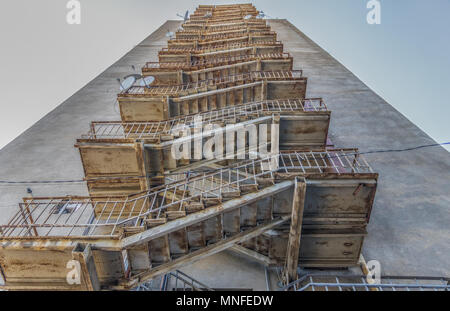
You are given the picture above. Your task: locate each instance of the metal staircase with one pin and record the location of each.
(212, 84)
(174, 281)
(150, 213)
(196, 215)
(215, 62)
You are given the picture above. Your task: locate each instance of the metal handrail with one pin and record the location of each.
(187, 282)
(199, 50)
(215, 62)
(139, 130)
(393, 283)
(215, 82)
(101, 217)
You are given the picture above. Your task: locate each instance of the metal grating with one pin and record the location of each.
(172, 90)
(183, 49)
(102, 217)
(215, 62)
(359, 283)
(154, 130)
(179, 281)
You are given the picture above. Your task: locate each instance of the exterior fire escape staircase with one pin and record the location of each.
(148, 214)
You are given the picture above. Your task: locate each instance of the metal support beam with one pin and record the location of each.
(89, 278)
(203, 253)
(252, 254)
(293, 249)
(365, 269)
(208, 213)
(60, 243)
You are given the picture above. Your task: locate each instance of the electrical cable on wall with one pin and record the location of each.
(8, 182)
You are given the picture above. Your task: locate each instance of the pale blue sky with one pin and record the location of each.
(43, 60)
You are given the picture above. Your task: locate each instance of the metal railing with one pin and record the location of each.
(179, 281)
(212, 30)
(215, 19)
(215, 62)
(201, 35)
(154, 130)
(359, 283)
(168, 90)
(223, 36)
(173, 281)
(103, 217)
(215, 43)
(211, 24)
(224, 26)
(199, 50)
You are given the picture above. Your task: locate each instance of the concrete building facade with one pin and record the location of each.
(408, 232)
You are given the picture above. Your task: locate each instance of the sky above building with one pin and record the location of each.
(44, 60)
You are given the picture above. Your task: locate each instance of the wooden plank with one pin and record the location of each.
(293, 250)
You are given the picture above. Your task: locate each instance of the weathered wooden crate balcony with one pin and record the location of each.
(123, 242)
(140, 152)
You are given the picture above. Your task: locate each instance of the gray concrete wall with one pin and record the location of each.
(46, 150)
(409, 232)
